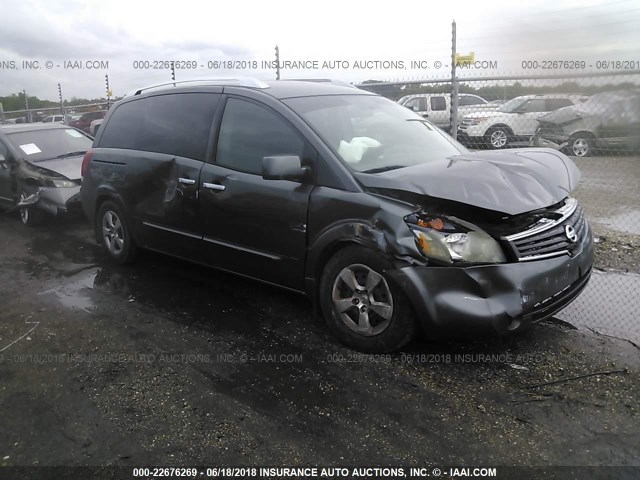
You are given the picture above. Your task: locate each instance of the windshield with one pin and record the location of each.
(511, 105)
(38, 145)
(372, 134)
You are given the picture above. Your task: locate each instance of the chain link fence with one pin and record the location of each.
(592, 117)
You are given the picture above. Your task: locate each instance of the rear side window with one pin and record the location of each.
(177, 124)
(250, 132)
(534, 106)
(438, 103)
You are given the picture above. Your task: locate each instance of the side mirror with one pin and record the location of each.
(283, 167)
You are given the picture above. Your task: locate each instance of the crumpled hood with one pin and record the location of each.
(562, 116)
(511, 182)
(68, 167)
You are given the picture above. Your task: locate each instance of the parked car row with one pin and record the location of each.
(40, 169)
(576, 124)
(87, 122)
(437, 107)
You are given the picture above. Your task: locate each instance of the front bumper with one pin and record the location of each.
(473, 131)
(56, 201)
(502, 298)
(557, 142)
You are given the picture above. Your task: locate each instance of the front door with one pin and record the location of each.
(253, 226)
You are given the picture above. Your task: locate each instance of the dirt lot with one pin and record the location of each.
(168, 363)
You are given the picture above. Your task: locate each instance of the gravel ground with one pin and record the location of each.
(167, 363)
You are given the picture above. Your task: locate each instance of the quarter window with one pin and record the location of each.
(249, 133)
(175, 124)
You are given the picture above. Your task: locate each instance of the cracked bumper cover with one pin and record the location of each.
(463, 301)
(54, 200)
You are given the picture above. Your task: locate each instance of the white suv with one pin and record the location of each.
(514, 121)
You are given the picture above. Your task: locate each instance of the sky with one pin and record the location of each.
(128, 34)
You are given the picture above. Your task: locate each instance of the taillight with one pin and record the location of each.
(85, 161)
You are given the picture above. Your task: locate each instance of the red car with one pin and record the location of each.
(84, 122)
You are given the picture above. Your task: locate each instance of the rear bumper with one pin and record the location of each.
(503, 298)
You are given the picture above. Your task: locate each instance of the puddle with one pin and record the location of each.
(594, 309)
(74, 292)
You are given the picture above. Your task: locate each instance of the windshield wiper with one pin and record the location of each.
(72, 154)
(383, 169)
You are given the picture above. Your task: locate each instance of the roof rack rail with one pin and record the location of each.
(320, 80)
(237, 81)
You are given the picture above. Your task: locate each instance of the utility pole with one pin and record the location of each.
(106, 79)
(26, 105)
(454, 84)
(173, 71)
(61, 101)
(277, 63)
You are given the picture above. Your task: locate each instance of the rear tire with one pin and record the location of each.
(112, 228)
(362, 306)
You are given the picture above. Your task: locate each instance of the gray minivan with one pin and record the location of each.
(386, 223)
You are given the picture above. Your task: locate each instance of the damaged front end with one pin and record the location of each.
(500, 275)
(46, 190)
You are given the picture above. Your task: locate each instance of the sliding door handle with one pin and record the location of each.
(214, 186)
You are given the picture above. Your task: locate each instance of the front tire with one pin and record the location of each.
(362, 306)
(498, 137)
(30, 216)
(114, 233)
(580, 145)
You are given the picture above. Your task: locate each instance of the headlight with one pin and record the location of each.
(62, 183)
(478, 120)
(453, 240)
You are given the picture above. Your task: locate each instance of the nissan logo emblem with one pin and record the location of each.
(571, 234)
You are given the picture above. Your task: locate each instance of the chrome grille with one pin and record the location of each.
(549, 238)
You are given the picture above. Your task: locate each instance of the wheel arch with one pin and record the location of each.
(330, 242)
(105, 194)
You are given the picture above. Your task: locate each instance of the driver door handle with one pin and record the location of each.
(214, 186)
(186, 181)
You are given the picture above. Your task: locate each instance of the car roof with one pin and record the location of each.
(28, 127)
(280, 89)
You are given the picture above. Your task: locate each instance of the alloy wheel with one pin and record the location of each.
(498, 138)
(362, 299)
(112, 232)
(580, 147)
(24, 211)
